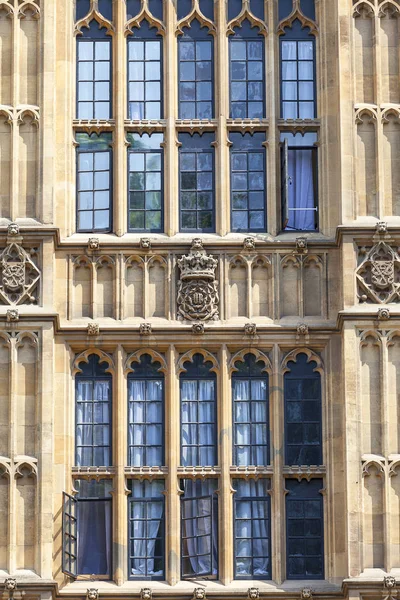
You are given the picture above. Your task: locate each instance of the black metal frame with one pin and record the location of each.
(83, 40)
(161, 536)
(145, 210)
(308, 38)
(252, 499)
(320, 499)
(156, 38)
(232, 40)
(69, 535)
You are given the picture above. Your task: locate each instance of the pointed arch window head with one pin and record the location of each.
(303, 413)
(145, 73)
(104, 7)
(250, 413)
(198, 413)
(184, 7)
(93, 389)
(247, 73)
(196, 72)
(146, 414)
(236, 6)
(93, 73)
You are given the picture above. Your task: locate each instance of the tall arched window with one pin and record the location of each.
(198, 414)
(93, 414)
(146, 414)
(195, 57)
(250, 413)
(303, 413)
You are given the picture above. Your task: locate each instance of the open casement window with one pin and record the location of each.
(199, 539)
(69, 534)
(87, 530)
(285, 181)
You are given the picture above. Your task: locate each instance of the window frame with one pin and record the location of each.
(85, 37)
(70, 533)
(260, 38)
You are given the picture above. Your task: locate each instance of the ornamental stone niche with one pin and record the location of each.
(19, 276)
(197, 289)
(378, 275)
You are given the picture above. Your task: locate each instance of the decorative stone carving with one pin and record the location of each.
(145, 329)
(93, 329)
(389, 582)
(198, 328)
(19, 276)
(383, 314)
(93, 243)
(249, 243)
(301, 245)
(146, 594)
(381, 227)
(12, 315)
(10, 584)
(306, 593)
(145, 243)
(13, 229)
(378, 275)
(92, 594)
(250, 329)
(197, 289)
(253, 593)
(199, 593)
(302, 329)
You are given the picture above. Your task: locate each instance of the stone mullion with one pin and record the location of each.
(277, 461)
(172, 431)
(93, 270)
(171, 193)
(222, 184)
(13, 517)
(120, 205)
(385, 420)
(272, 113)
(225, 541)
(15, 57)
(249, 289)
(120, 453)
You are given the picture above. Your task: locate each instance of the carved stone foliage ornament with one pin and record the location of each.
(93, 329)
(198, 328)
(383, 314)
(145, 329)
(302, 329)
(378, 275)
(250, 329)
(197, 289)
(19, 276)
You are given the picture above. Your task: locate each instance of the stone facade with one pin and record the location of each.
(332, 295)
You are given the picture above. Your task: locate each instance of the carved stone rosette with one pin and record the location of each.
(19, 276)
(378, 275)
(197, 289)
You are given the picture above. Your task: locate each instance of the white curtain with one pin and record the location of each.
(143, 563)
(252, 530)
(94, 537)
(93, 423)
(198, 427)
(145, 422)
(250, 422)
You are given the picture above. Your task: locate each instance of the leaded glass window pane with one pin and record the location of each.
(252, 529)
(93, 78)
(247, 79)
(145, 398)
(146, 529)
(144, 79)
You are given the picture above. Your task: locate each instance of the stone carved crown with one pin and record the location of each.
(197, 264)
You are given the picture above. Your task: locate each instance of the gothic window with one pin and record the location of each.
(94, 73)
(299, 179)
(87, 529)
(247, 73)
(93, 414)
(145, 74)
(303, 413)
(248, 182)
(94, 186)
(235, 6)
(252, 529)
(198, 414)
(195, 52)
(250, 413)
(304, 529)
(145, 164)
(146, 408)
(196, 189)
(199, 528)
(298, 97)
(146, 529)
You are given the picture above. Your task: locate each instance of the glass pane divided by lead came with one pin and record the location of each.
(94, 79)
(195, 79)
(247, 79)
(144, 79)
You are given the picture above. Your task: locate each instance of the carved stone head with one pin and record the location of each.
(249, 243)
(145, 243)
(253, 593)
(92, 594)
(199, 593)
(145, 329)
(146, 594)
(197, 245)
(198, 328)
(301, 245)
(13, 229)
(12, 315)
(306, 593)
(93, 329)
(383, 314)
(10, 584)
(94, 243)
(250, 329)
(389, 582)
(302, 329)
(381, 227)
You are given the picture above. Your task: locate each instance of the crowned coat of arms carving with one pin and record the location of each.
(19, 276)
(378, 275)
(197, 289)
